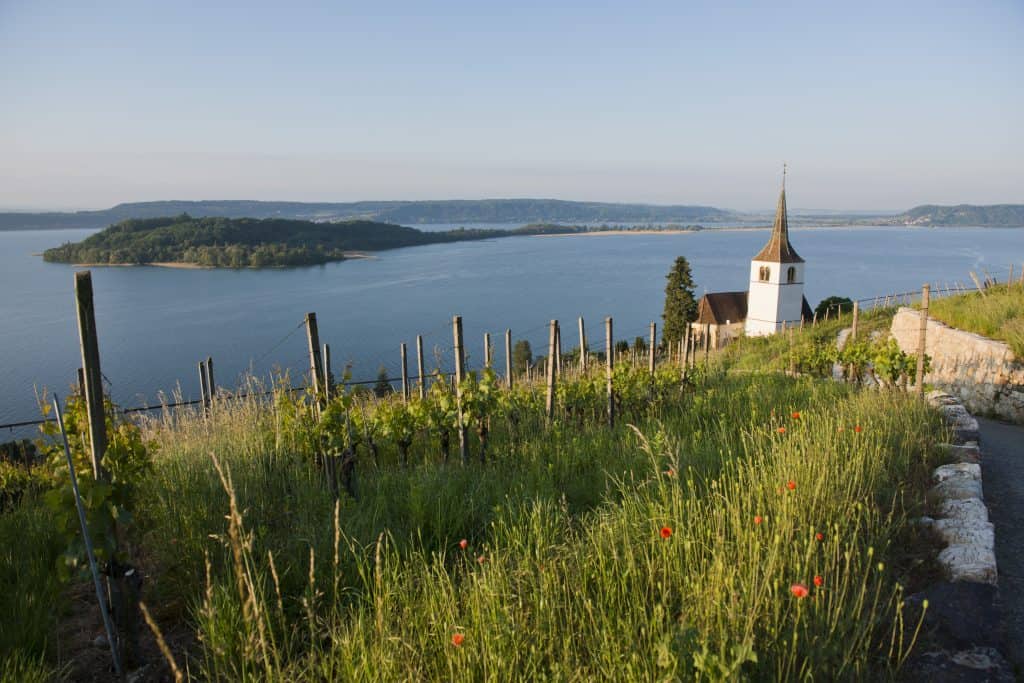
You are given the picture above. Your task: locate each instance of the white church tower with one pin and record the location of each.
(776, 280)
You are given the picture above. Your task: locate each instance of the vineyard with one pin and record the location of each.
(661, 517)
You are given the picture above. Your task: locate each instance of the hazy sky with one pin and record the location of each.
(874, 105)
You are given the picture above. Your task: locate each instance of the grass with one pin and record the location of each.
(997, 313)
(567, 573)
(576, 581)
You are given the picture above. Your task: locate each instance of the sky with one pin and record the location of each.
(873, 105)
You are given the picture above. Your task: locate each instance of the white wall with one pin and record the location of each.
(771, 303)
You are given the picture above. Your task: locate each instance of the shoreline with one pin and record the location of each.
(188, 265)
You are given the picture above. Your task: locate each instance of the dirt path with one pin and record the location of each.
(1002, 447)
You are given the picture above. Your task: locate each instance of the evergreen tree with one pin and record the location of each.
(522, 356)
(680, 304)
(383, 386)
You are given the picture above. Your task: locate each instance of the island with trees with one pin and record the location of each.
(244, 242)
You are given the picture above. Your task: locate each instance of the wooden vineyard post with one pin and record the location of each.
(583, 347)
(683, 343)
(856, 319)
(650, 349)
(211, 385)
(91, 371)
(81, 384)
(814, 320)
(419, 366)
(707, 343)
(508, 358)
(204, 388)
(609, 352)
(549, 404)
(328, 374)
(922, 338)
(558, 349)
(487, 349)
(316, 364)
(460, 372)
(405, 372)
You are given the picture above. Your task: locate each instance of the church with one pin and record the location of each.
(775, 299)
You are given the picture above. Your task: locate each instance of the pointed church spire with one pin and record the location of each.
(778, 249)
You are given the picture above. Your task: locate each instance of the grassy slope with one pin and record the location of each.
(576, 582)
(998, 314)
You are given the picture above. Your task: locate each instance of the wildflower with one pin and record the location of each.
(799, 590)
(463, 544)
(791, 485)
(796, 415)
(670, 472)
(666, 532)
(781, 430)
(840, 427)
(457, 639)
(758, 519)
(818, 580)
(820, 536)
(481, 559)
(857, 429)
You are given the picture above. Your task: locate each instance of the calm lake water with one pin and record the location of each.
(156, 323)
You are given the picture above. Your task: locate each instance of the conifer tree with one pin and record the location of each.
(680, 304)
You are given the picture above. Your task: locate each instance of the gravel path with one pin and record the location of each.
(1002, 447)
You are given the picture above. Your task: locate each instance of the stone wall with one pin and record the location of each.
(984, 374)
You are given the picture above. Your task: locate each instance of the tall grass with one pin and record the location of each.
(567, 573)
(998, 313)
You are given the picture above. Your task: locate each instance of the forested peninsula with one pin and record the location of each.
(245, 242)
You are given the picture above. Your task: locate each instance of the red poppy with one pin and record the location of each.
(666, 532)
(670, 472)
(818, 580)
(457, 639)
(791, 485)
(463, 544)
(796, 415)
(758, 519)
(799, 590)
(820, 536)
(781, 430)
(857, 429)
(481, 559)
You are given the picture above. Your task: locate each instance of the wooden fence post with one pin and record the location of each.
(558, 348)
(922, 338)
(650, 349)
(487, 349)
(204, 388)
(328, 375)
(211, 385)
(405, 373)
(508, 357)
(856, 319)
(583, 347)
(316, 365)
(549, 404)
(460, 372)
(89, 344)
(707, 343)
(419, 366)
(792, 357)
(609, 352)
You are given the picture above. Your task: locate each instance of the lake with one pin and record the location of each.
(155, 324)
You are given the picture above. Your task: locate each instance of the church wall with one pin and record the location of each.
(773, 302)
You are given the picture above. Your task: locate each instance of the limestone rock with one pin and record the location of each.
(969, 511)
(977, 665)
(957, 470)
(969, 562)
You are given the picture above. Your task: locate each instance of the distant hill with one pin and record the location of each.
(245, 242)
(454, 211)
(992, 216)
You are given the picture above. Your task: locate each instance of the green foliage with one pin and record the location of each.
(815, 357)
(522, 356)
(997, 314)
(680, 304)
(894, 368)
(833, 306)
(17, 481)
(108, 503)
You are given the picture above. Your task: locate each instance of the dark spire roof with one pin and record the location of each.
(778, 249)
(717, 308)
